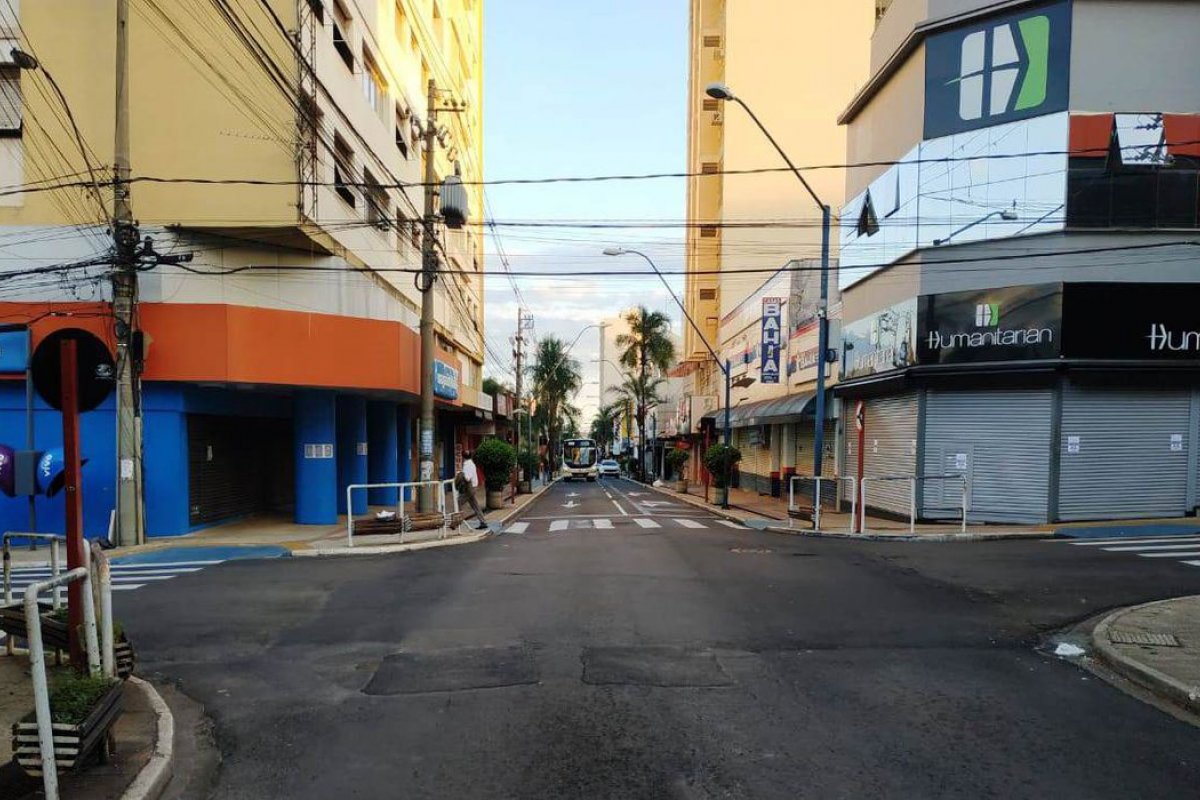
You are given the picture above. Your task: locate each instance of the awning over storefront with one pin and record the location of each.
(768, 412)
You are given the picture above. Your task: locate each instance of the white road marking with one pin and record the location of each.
(1169, 555)
(604, 524)
(518, 527)
(126, 587)
(560, 525)
(1192, 563)
(688, 523)
(731, 524)
(1122, 539)
(570, 504)
(646, 523)
(624, 513)
(1133, 548)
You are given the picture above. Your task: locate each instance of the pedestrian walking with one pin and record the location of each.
(467, 482)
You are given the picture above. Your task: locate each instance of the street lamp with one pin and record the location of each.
(719, 91)
(1008, 215)
(725, 368)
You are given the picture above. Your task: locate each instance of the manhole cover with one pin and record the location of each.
(1138, 637)
(752, 550)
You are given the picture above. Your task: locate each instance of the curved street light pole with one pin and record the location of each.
(719, 91)
(725, 367)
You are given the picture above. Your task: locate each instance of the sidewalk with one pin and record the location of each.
(266, 536)
(129, 773)
(771, 513)
(1157, 646)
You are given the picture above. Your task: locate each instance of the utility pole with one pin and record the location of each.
(519, 355)
(124, 299)
(426, 502)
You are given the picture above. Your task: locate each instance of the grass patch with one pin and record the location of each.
(60, 615)
(73, 696)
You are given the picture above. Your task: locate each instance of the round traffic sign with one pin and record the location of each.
(94, 368)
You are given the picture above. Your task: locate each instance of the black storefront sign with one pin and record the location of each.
(1132, 321)
(1015, 323)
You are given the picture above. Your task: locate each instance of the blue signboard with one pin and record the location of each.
(14, 351)
(772, 338)
(445, 381)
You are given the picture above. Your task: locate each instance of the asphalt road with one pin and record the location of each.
(686, 659)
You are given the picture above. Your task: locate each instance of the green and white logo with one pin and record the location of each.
(992, 68)
(1004, 69)
(987, 315)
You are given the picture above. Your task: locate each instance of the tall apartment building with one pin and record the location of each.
(280, 142)
(1019, 273)
(753, 237)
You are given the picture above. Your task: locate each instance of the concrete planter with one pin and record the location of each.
(681, 487)
(720, 496)
(495, 499)
(525, 487)
(72, 743)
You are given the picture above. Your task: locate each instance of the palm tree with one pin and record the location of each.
(556, 378)
(602, 424)
(646, 347)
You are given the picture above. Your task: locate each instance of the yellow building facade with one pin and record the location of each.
(754, 233)
(281, 142)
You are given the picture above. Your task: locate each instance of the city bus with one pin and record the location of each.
(580, 459)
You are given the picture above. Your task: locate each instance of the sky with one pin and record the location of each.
(581, 89)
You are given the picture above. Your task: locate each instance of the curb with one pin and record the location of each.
(385, 549)
(1158, 682)
(154, 777)
(773, 526)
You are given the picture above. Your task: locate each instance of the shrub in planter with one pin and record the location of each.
(720, 460)
(496, 459)
(82, 710)
(677, 465)
(529, 464)
(123, 654)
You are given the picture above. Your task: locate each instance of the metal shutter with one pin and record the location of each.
(804, 447)
(237, 466)
(756, 460)
(1116, 453)
(891, 445)
(1000, 440)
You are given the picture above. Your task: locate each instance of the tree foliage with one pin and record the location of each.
(556, 378)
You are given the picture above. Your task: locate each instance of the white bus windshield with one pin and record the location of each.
(579, 453)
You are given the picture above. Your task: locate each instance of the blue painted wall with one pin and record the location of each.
(316, 478)
(383, 455)
(352, 465)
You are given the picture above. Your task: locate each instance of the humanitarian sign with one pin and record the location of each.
(772, 338)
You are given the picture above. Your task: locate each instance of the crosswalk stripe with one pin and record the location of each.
(728, 523)
(1169, 555)
(1192, 563)
(1124, 540)
(646, 523)
(602, 524)
(559, 525)
(1139, 547)
(42, 575)
(518, 527)
(688, 523)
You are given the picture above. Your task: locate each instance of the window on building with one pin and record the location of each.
(373, 84)
(11, 111)
(868, 221)
(1148, 178)
(378, 213)
(403, 130)
(708, 294)
(343, 170)
(401, 23)
(318, 11)
(341, 30)
(708, 231)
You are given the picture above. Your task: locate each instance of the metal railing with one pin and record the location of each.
(816, 521)
(912, 495)
(55, 570)
(445, 492)
(37, 663)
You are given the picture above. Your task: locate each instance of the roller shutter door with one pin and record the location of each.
(238, 466)
(1123, 453)
(891, 445)
(756, 460)
(998, 440)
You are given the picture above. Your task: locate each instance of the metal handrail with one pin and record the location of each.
(37, 663)
(912, 497)
(440, 493)
(55, 570)
(817, 497)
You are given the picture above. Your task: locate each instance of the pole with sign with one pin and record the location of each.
(860, 424)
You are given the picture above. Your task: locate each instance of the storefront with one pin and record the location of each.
(1054, 402)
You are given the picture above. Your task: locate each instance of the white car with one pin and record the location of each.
(609, 467)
